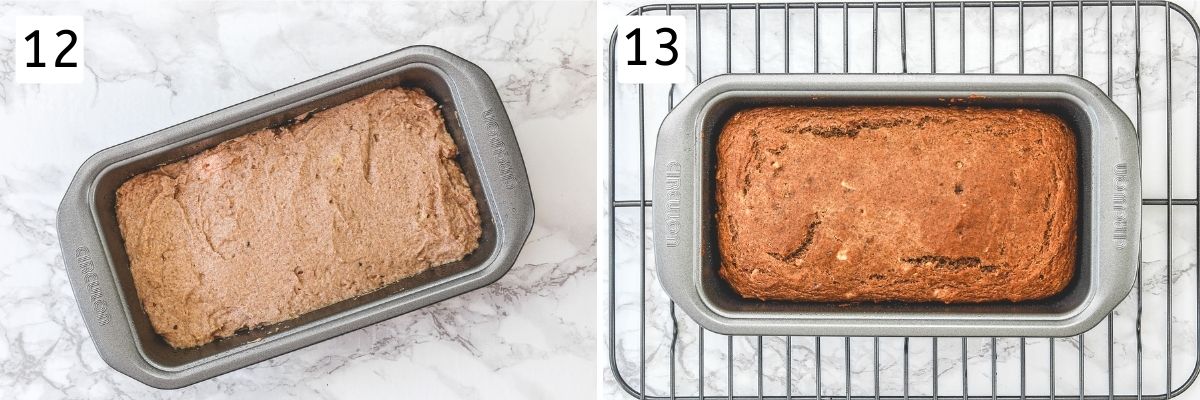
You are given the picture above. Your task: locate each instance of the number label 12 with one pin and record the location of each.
(58, 62)
(658, 38)
(39, 37)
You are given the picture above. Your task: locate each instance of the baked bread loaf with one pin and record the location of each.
(896, 203)
(279, 222)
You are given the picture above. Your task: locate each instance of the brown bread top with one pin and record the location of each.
(894, 203)
(277, 223)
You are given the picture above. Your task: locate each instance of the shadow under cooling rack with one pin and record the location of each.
(1143, 54)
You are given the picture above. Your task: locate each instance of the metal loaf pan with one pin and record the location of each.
(98, 267)
(688, 258)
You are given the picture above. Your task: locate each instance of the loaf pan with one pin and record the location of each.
(98, 266)
(688, 258)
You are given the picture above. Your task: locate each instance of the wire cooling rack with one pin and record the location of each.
(1142, 53)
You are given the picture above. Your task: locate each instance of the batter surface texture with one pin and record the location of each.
(279, 222)
(896, 203)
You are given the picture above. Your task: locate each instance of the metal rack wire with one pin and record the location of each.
(1139, 52)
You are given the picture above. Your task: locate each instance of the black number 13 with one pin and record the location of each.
(58, 62)
(636, 35)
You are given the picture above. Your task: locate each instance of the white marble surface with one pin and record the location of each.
(151, 65)
(949, 372)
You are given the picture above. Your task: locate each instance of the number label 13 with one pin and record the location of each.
(651, 49)
(49, 49)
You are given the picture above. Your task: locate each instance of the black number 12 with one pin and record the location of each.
(58, 62)
(636, 35)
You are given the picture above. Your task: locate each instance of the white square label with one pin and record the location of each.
(49, 49)
(652, 49)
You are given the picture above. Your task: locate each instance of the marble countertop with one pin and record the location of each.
(152, 65)
(642, 351)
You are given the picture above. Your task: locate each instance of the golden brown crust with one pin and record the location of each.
(891, 203)
(277, 223)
